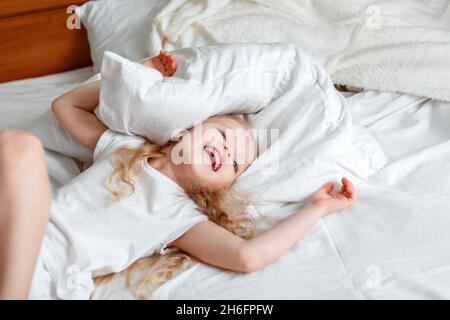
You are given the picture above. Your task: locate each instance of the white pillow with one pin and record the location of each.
(310, 139)
(122, 26)
(218, 79)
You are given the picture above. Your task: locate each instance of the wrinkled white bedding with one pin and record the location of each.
(393, 243)
(371, 44)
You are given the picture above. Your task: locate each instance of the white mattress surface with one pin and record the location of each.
(393, 243)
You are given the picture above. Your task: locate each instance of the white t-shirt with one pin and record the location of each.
(91, 234)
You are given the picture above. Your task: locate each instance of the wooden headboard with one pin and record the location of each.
(35, 39)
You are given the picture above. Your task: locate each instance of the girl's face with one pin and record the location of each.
(214, 153)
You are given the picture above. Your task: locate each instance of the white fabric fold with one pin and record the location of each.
(400, 46)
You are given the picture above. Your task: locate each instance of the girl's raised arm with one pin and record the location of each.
(215, 245)
(74, 112)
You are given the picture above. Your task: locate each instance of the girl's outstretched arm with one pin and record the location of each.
(214, 245)
(74, 112)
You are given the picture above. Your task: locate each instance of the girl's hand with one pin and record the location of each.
(328, 201)
(164, 63)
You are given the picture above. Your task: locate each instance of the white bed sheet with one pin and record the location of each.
(393, 243)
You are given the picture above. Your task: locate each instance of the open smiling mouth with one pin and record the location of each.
(215, 156)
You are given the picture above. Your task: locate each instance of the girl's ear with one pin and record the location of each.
(178, 137)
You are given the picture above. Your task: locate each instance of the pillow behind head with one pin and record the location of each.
(122, 26)
(289, 97)
(212, 80)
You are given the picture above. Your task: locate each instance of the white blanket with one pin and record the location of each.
(401, 46)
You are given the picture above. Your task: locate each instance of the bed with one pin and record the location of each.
(392, 244)
(352, 255)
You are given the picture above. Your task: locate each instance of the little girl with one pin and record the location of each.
(137, 199)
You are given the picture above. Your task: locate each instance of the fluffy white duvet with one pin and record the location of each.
(393, 243)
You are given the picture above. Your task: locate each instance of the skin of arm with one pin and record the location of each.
(74, 112)
(216, 246)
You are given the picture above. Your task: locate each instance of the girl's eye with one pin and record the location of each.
(223, 134)
(235, 166)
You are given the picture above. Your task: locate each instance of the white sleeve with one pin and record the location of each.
(186, 215)
(110, 140)
(219, 79)
(56, 138)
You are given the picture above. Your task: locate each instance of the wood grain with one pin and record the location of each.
(39, 43)
(21, 7)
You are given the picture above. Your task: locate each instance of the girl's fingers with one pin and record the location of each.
(168, 59)
(347, 195)
(327, 187)
(350, 195)
(347, 184)
(340, 197)
(347, 190)
(167, 63)
(344, 181)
